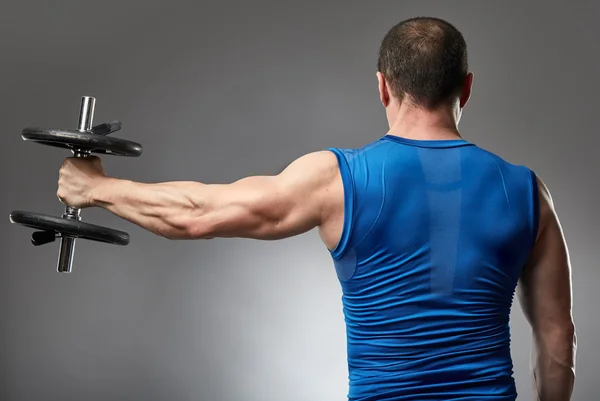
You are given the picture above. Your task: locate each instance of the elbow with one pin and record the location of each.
(184, 228)
(558, 324)
(197, 229)
(570, 333)
(563, 332)
(560, 341)
(190, 232)
(198, 233)
(566, 338)
(240, 222)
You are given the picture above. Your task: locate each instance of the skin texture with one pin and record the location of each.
(309, 194)
(545, 294)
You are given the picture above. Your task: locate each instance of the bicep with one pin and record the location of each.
(545, 289)
(273, 207)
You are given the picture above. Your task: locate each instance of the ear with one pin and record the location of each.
(384, 94)
(466, 90)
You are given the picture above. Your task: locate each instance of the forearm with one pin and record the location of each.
(553, 366)
(170, 209)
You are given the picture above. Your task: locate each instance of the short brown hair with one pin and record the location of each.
(425, 59)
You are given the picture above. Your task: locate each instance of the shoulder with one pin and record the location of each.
(519, 175)
(311, 186)
(323, 159)
(310, 178)
(315, 166)
(546, 205)
(543, 191)
(499, 160)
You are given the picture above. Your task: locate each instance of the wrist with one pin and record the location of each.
(102, 193)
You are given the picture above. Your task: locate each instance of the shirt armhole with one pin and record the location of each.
(535, 207)
(348, 185)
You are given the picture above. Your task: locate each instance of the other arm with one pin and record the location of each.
(260, 207)
(545, 294)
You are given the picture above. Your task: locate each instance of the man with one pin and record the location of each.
(429, 234)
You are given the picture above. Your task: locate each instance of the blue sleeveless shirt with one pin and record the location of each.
(435, 237)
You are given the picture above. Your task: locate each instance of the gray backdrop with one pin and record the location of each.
(219, 90)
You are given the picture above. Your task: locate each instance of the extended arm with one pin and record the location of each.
(261, 207)
(545, 293)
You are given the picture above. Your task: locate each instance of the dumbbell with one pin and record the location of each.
(87, 139)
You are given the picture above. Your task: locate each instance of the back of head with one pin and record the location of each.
(424, 61)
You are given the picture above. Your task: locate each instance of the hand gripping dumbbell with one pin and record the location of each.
(82, 142)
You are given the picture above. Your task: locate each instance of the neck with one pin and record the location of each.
(412, 122)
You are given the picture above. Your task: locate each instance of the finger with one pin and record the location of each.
(59, 197)
(68, 161)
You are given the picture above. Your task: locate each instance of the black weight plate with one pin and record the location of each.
(93, 143)
(71, 228)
